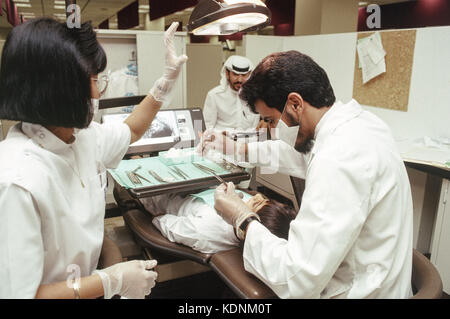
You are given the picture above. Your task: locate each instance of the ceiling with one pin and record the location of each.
(95, 10)
(99, 10)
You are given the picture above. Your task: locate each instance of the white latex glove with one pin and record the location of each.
(230, 206)
(131, 279)
(173, 64)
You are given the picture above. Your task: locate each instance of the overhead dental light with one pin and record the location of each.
(223, 17)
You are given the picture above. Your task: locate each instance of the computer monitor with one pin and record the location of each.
(170, 128)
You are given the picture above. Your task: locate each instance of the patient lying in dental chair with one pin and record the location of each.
(192, 220)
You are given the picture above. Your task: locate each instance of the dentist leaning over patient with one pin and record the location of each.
(352, 237)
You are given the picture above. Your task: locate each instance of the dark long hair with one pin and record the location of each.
(45, 73)
(277, 217)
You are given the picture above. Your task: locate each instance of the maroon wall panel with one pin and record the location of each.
(11, 13)
(236, 37)
(162, 8)
(128, 17)
(283, 16)
(104, 24)
(412, 14)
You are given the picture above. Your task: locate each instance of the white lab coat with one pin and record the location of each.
(49, 221)
(352, 237)
(123, 82)
(191, 222)
(225, 110)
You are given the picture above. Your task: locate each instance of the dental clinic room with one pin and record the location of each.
(224, 155)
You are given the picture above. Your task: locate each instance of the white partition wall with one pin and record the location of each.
(202, 70)
(325, 49)
(149, 48)
(151, 55)
(335, 53)
(257, 47)
(429, 98)
(429, 95)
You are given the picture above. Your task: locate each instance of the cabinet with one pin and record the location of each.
(440, 246)
(279, 183)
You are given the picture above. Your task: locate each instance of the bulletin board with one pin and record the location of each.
(389, 90)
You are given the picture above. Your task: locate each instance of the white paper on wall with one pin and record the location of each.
(371, 56)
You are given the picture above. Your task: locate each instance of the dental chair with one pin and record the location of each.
(228, 265)
(426, 281)
(109, 255)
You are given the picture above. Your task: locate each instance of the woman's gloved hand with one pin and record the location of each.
(173, 64)
(131, 279)
(230, 206)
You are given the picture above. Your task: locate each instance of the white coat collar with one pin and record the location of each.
(337, 115)
(44, 138)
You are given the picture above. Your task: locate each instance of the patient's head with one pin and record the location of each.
(274, 215)
(256, 202)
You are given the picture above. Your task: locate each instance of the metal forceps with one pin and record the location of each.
(179, 172)
(209, 170)
(157, 177)
(135, 178)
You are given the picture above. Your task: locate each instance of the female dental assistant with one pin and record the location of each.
(52, 164)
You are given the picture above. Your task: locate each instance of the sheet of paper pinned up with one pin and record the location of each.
(371, 56)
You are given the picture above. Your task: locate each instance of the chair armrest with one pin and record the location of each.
(147, 235)
(229, 265)
(425, 278)
(110, 254)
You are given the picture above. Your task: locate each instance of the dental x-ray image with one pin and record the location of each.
(162, 126)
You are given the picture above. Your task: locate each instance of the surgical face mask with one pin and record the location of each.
(286, 133)
(94, 104)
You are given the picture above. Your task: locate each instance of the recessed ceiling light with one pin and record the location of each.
(60, 7)
(23, 5)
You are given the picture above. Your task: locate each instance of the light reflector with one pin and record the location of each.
(225, 17)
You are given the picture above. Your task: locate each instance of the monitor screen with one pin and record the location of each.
(169, 128)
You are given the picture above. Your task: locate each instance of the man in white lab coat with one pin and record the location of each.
(352, 237)
(224, 109)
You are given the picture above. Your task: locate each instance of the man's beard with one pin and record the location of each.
(305, 146)
(308, 141)
(233, 85)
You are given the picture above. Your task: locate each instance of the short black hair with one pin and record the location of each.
(45, 73)
(277, 217)
(282, 73)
